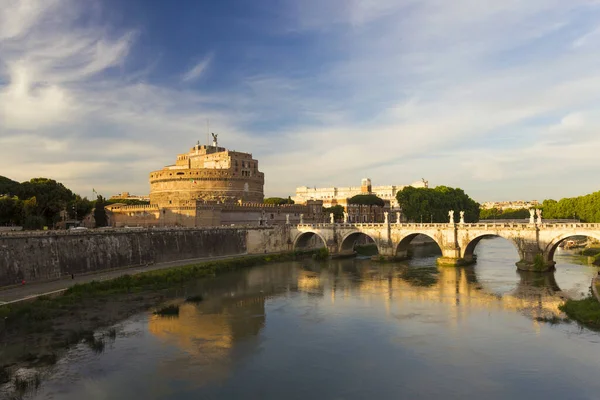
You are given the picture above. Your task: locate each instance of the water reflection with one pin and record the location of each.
(352, 329)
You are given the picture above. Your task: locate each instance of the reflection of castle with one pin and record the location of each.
(210, 186)
(233, 312)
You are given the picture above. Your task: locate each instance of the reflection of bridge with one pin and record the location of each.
(535, 295)
(536, 243)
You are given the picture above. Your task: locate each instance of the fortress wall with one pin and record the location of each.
(54, 255)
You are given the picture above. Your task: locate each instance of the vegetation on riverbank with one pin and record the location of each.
(586, 312)
(366, 249)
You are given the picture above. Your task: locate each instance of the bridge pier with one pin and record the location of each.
(536, 262)
(451, 257)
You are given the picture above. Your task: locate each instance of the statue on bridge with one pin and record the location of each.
(287, 219)
(331, 218)
(462, 217)
(345, 217)
(451, 216)
(398, 218)
(539, 216)
(301, 219)
(532, 216)
(385, 217)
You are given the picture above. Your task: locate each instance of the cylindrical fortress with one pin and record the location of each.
(208, 173)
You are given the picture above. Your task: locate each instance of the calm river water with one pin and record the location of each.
(352, 329)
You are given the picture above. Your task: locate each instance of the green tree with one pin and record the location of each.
(338, 212)
(100, 212)
(11, 210)
(278, 200)
(8, 186)
(80, 207)
(509, 213)
(433, 204)
(366, 200)
(51, 198)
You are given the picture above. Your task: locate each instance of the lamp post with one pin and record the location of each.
(421, 218)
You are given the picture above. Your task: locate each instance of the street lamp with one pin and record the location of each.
(421, 218)
(431, 218)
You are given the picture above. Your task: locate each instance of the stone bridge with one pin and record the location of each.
(535, 242)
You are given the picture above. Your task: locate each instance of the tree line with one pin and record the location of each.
(585, 208)
(38, 203)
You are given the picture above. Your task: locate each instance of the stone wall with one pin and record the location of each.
(53, 255)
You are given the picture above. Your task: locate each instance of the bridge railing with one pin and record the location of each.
(486, 225)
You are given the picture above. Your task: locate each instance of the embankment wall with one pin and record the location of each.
(31, 257)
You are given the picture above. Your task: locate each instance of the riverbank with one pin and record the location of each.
(586, 311)
(35, 333)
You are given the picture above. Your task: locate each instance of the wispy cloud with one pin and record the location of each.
(499, 98)
(197, 70)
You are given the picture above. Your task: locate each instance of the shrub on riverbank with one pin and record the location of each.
(321, 254)
(586, 311)
(366, 249)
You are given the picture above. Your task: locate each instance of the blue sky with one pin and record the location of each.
(499, 98)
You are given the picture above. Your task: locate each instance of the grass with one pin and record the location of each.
(195, 299)
(586, 312)
(37, 315)
(168, 311)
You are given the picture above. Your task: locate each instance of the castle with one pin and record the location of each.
(210, 186)
(208, 173)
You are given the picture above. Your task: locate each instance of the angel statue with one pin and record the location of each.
(451, 216)
(462, 217)
(215, 135)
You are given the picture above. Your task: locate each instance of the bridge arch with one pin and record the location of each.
(403, 245)
(350, 240)
(469, 250)
(309, 240)
(554, 243)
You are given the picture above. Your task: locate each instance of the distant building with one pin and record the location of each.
(332, 196)
(513, 205)
(129, 196)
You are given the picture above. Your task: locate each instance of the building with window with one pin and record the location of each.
(332, 196)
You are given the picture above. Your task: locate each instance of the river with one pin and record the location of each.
(352, 329)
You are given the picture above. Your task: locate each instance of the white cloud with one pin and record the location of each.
(494, 97)
(197, 70)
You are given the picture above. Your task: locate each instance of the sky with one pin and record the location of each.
(499, 98)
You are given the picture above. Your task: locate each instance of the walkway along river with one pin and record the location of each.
(349, 329)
